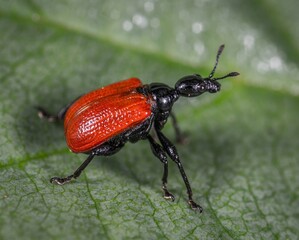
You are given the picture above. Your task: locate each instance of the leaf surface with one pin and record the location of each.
(241, 154)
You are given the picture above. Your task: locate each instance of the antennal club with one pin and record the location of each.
(232, 74)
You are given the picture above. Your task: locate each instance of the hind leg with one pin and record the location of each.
(104, 150)
(44, 114)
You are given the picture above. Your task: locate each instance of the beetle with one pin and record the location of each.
(102, 121)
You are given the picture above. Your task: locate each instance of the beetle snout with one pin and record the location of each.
(214, 87)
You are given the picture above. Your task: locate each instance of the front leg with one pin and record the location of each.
(172, 153)
(179, 136)
(161, 155)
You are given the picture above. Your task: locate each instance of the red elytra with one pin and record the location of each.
(104, 113)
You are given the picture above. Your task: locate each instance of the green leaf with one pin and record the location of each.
(242, 152)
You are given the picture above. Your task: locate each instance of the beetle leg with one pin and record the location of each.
(172, 153)
(76, 174)
(161, 155)
(179, 136)
(104, 150)
(44, 114)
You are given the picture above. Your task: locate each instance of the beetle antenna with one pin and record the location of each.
(232, 74)
(220, 49)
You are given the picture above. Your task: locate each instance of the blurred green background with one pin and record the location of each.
(242, 151)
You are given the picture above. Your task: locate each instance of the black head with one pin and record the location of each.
(194, 85)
